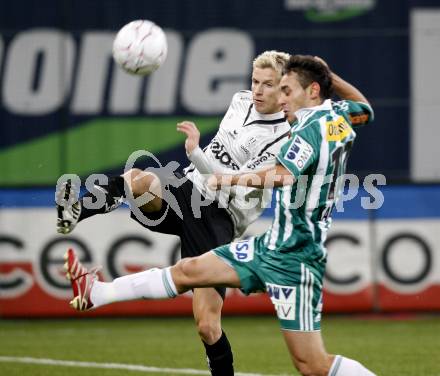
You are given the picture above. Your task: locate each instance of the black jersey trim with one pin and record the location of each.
(248, 114)
(273, 142)
(261, 121)
(189, 171)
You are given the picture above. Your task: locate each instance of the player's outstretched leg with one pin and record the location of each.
(89, 292)
(202, 271)
(70, 212)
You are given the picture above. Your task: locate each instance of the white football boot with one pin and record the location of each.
(68, 208)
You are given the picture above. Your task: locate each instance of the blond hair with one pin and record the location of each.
(272, 59)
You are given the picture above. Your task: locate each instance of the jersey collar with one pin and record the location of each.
(256, 117)
(304, 113)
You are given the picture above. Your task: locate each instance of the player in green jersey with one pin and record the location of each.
(288, 261)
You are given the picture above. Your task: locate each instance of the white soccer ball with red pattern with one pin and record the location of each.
(140, 47)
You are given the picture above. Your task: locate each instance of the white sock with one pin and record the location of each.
(348, 367)
(150, 284)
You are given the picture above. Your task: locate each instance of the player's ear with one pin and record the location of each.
(314, 90)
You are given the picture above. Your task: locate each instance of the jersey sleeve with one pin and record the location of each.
(299, 153)
(200, 161)
(359, 113)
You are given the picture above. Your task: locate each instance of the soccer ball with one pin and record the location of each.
(140, 47)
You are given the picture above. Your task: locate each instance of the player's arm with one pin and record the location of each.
(193, 151)
(345, 90)
(358, 107)
(294, 158)
(275, 176)
(261, 171)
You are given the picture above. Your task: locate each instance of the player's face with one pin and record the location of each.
(293, 96)
(265, 90)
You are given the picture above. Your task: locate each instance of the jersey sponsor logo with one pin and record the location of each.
(243, 251)
(283, 298)
(220, 153)
(261, 159)
(299, 152)
(358, 118)
(337, 129)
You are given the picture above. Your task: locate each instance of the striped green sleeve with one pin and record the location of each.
(359, 113)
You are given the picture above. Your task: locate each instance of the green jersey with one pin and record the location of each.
(316, 154)
(288, 261)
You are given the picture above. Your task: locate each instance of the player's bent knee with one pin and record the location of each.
(147, 186)
(131, 174)
(141, 181)
(131, 177)
(182, 273)
(192, 274)
(189, 266)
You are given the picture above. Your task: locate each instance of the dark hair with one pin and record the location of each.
(311, 70)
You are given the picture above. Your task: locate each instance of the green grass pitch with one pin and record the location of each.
(402, 347)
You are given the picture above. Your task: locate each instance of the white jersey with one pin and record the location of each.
(246, 140)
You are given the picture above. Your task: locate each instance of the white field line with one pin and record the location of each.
(127, 367)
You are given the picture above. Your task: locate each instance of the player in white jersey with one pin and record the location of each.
(246, 140)
(292, 269)
(249, 136)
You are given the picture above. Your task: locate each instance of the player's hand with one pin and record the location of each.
(192, 135)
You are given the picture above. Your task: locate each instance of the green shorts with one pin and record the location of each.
(293, 282)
